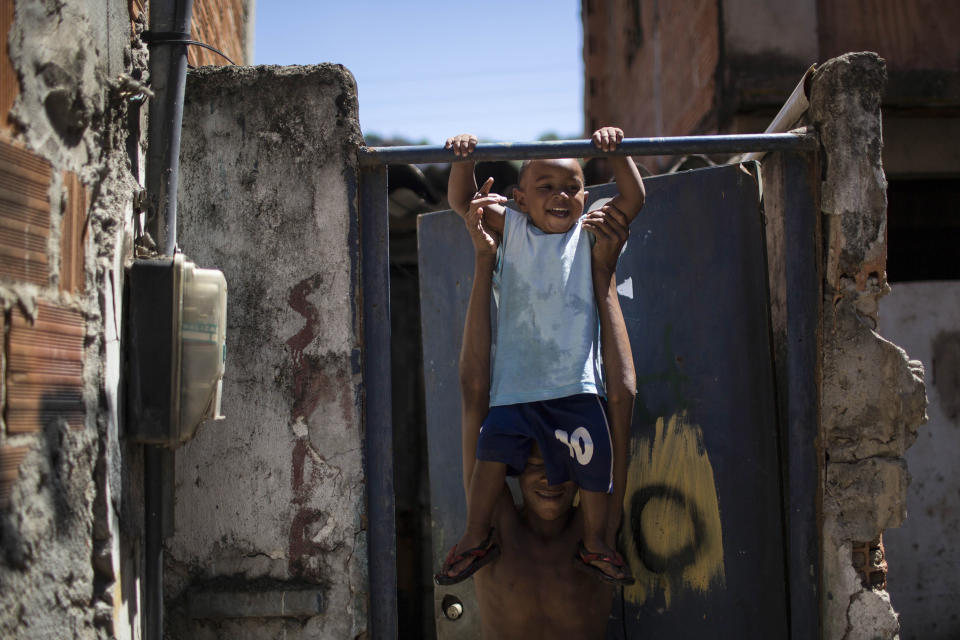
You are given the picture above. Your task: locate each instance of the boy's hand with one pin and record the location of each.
(632, 193)
(611, 228)
(485, 240)
(462, 145)
(606, 138)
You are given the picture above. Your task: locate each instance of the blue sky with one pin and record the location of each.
(506, 71)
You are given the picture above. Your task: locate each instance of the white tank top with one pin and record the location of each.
(547, 340)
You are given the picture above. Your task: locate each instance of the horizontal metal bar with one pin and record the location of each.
(586, 149)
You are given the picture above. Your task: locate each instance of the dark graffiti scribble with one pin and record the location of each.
(683, 556)
(309, 379)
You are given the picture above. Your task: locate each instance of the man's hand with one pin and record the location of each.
(485, 240)
(462, 145)
(606, 138)
(611, 229)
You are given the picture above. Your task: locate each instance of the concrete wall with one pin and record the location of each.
(270, 502)
(68, 520)
(872, 396)
(924, 578)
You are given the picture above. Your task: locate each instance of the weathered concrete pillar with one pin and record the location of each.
(270, 537)
(872, 396)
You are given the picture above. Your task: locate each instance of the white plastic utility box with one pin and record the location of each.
(176, 348)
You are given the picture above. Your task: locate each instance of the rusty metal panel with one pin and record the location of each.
(44, 378)
(703, 515)
(24, 215)
(73, 235)
(10, 459)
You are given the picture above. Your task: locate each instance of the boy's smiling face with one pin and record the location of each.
(551, 193)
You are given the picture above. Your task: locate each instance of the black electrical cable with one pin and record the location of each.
(173, 37)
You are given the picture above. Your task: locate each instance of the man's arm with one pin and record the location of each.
(475, 349)
(475, 364)
(629, 183)
(611, 228)
(462, 184)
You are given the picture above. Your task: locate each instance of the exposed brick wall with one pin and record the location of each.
(916, 35)
(42, 355)
(221, 24)
(73, 234)
(136, 8)
(8, 77)
(42, 382)
(44, 376)
(24, 215)
(650, 66)
(66, 192)
(10, 459)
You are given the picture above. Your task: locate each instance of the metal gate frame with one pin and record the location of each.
(798, 411)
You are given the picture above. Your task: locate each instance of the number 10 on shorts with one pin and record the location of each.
(579, 443)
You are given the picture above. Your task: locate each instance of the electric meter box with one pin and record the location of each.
(176, 337)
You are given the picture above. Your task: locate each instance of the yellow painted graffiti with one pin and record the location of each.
(671, 528)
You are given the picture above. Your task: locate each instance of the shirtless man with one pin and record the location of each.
(534, 588)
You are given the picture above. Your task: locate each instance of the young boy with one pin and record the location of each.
(534, 589)
(546, 385)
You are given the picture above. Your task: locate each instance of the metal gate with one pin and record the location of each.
(703, 523)
(693, 291)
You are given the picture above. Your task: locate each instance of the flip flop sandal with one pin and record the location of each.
(481, 555)
(585, 557)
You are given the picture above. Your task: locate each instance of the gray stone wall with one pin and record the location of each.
(872, 395)
(62, 454)
(270, 502)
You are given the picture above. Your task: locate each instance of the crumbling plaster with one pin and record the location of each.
(872, 396)
(61, 531)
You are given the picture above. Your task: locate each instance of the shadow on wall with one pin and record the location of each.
(48, 510)
(53, 479)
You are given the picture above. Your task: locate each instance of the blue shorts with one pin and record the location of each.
(572, 432)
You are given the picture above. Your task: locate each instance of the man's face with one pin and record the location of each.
(551, 193)
(547, 501)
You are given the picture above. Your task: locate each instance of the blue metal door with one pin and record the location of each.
(703, 519)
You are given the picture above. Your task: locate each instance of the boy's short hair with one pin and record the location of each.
(526, 163)
(523, 169)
